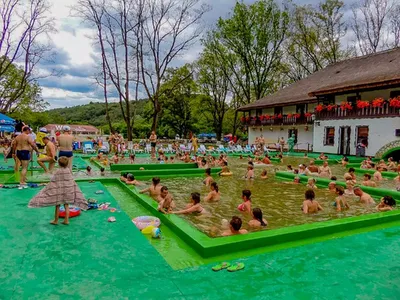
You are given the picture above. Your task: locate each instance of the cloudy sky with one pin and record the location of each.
(77, 61)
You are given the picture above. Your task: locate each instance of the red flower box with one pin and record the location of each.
(308, 114)
(346, 106)
(320, 107)
(279, 116)
(362, 104)
(296, 116)
(331, 107)
(378, 102)
(395, 102)
(289, 115)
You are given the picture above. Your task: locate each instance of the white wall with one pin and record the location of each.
(381, 132)
(303, 136)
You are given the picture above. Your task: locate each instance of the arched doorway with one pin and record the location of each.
(391, 149)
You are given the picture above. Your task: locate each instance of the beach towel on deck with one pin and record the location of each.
(62, 189)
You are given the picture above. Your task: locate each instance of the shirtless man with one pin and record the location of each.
(154, 190)
(50, 155)
(312, 167)
(153, 143)
(281, 144)
(364, 197)
(64, 142)
(310, 206)
(367, 181)
(22, 148)
(378, 175)
(235, 227)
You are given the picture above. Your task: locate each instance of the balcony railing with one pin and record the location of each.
(358, 113)
(284, 120)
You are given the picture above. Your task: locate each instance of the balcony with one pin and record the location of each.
(339, 112)
(295, 119)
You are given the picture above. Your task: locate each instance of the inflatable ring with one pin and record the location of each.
(73, 212)
(226, 174)
(144, 221)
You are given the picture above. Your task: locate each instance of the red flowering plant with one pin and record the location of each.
(378, 102)
(362, 104)
(248, 119)
(331, 107)
(296, 116)
(267, 117)
(319, 107)
(243, 119)
(279, 116)
(395, 102)
(289, 115)
(261, 117)
(308, 114)
(346, 106)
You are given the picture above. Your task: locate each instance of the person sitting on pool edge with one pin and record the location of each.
(165, 200)
(235, 227)
(364, 197)
(246, 205)
(340, 201)
(367, 181)
(193, 207)
(214, 194)
(154, 190)
(310, 206)
(258, 220)
(387, 203)
(130, 179)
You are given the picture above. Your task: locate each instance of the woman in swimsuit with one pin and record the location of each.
(193, 207)
(208, 180)
(214, 194)
(258, 220)
(246, 205)
(250, 172)
(64, 142)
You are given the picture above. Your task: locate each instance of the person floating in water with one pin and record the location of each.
(235, 226)
(62, 190)
(310, 206)
(258, 220)
(214, 194)
(246, 205)
(193, 207)
(387, 203)
(340, 201)
(154, 190)
(165, 201)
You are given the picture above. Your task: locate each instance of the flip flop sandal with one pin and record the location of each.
(99, 192)
(236, 267)
(221, 266)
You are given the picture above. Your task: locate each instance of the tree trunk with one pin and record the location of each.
(235, 123)
(157, 109)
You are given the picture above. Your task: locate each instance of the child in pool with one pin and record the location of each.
(250, 172)
(225, 168)
(102, 172)
(311, 184)
(193, 207)
(235, 227)
(89, 170)
(350, 183)
(130, 179)
(258, 220)
(387, 203)
(310, 206)
(264, 174)
(246, 205)
(165, 201)
(208, 180)
(214, 194)
(132, 158)
(340, 201)
(367, 181)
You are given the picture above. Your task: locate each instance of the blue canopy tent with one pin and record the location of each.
(206, 135)
(6, 124)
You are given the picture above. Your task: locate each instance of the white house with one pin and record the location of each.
(337, 108)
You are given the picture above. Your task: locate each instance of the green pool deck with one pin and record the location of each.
(94, 259)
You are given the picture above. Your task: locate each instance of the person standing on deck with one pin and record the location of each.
(153, 143)
(64, 143)
(195, 144)
(22, 147)
(281, 144)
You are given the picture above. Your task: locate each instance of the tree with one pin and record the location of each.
(369, 24)
(249, 46)
(215, 85)
(315, 39)
(24, 26)
(178, 94)
(394, 26)
(166, 30)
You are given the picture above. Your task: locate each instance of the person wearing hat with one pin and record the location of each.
(49, 157)
(64, 143)
(39, 137)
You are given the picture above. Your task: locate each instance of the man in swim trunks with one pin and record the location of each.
(153, 143)
(364, 197)
(22, 148)
(50, 156)
(64, 142)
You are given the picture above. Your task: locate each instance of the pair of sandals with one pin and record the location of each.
(230, 268)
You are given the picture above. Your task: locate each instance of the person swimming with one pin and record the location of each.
(367, 181)
(387, 203)
(310, 206)
(245, 206)
(214, 194)
(340, 201)
(225, 168)
(235, 227)
(258, 220)
(193, 207)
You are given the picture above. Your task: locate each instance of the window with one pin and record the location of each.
(352, 99)
(329, 99)
(300, 108)
(258, 112)
(362, 135)
(329, 136)
(394, 94)
(278, 110)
